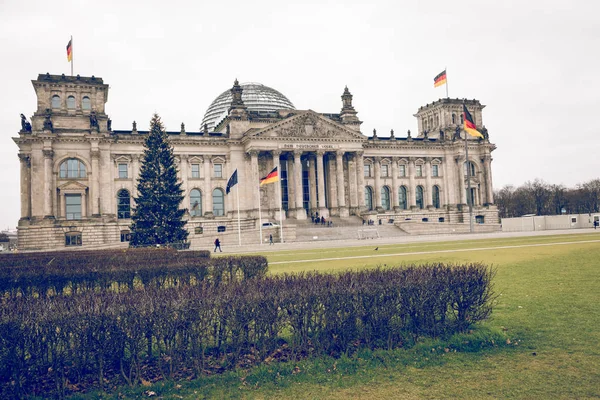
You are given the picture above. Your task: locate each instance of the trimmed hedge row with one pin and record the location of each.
(191, 330)
(47, 274)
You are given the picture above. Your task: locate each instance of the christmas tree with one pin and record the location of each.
(157, 218)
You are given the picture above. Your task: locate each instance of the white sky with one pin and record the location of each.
(533, 63)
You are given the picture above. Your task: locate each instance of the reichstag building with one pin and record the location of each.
(78, 174)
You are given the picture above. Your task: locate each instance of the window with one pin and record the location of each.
(55, 101)
(471, 167)
(384, 171)
(420, 196)
(435, 196)
(122, 171)
(479, 219)
(125, 236)
(402, 197)
(385, 198)
(73, 206)
(574, 220)
(195, 170)
(72, 168)
(71, 102)
(86, 104)
(441, 219)
(368, 198)
(218, 203)
(402, 169)
(221, 228)
(453, 119)
(418, 170)
(123, 204)
(198, 230)
(218, 170)
(73, 239)
(367, 170)
(435, 170)
(195, 203)
(470, 198)
(425, 219)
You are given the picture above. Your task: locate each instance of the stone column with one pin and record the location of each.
(25, 161)
(341, 194)
(135, 172)
(106, 183)
(487, 163)
(312, 183)
(461, 180)
(394, 197)
(255, 192)
(48, 155)
(208, 211)
(445, 192)
(95, 195)
(321, 184)
(412, 189)
(275, 196)
(352, 184)
(428, 201)
(360, 176)
(377, 188)
(298, 190)
(332, 186)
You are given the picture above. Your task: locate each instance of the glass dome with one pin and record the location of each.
(256, 97)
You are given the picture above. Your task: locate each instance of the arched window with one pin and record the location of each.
(385, 198)
(123, 204)
(218, 203)
(72, 168)
(453, 119)
(195, 203)
(402, 197)
(435, 196)
(471, 167)
(86, 104)
(420, 196)
(71, 102)
(368, 197)
(55, 101)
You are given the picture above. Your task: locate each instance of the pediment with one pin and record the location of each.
(72, 186)
(305, 125)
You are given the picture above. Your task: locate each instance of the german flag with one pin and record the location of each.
(469, 125)
(270, 178)
(70, 50)
(440, 79)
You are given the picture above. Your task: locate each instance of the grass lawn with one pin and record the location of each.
(548, 304)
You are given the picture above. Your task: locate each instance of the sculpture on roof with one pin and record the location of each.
(94, 121)
(25, 125)
(48, 121)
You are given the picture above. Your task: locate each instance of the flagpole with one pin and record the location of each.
(71, 55)
(469, 202)
(447, 96)
(259, 217)
(237, 193)
(280, 212)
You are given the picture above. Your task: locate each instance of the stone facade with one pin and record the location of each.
(78, 175)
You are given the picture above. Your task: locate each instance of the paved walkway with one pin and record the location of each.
(257, 248)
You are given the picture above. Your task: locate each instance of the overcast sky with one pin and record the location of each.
(534, 64)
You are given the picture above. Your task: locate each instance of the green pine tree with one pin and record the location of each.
(157, 218)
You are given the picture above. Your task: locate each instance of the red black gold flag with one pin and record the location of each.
(272, 177)
(70, 50)
(440, 79)
(469, 125)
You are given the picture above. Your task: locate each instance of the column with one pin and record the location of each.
(321, 184)
(352, 184)
(25, 162)
(487, 163)
(275, 198)
(394, 196)
(135, 172)
(377, 188)
(95, 182)
(332, 185)
(428, 190)
(312, 183)
(291, 183)
(412, 189)
(183, 172)
(106, 183)
(207, 196)
(445, 192)
(461, 180)
(341, 194)
(298, 189)
(48, 154)
(254, 190)
(360, 177)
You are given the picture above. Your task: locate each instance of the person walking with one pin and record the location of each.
(217, 245)
(270, 239)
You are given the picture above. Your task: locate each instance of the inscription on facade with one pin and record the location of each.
(309, 146)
